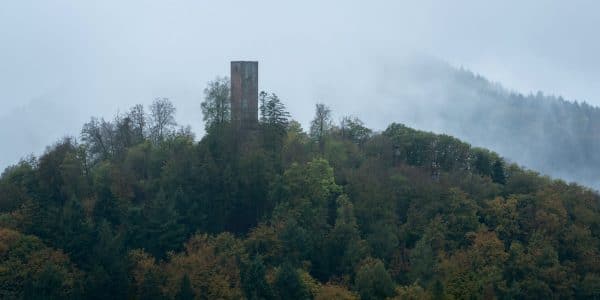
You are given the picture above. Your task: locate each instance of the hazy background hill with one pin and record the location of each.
(545, 133)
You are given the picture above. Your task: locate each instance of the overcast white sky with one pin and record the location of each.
(63, 61)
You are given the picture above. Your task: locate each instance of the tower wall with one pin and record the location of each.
(244, 94)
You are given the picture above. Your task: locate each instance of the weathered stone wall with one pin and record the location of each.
(244, 94)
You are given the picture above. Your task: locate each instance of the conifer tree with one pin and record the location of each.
(289, 285)
(253, 280)
(185, 290)
(162, 230)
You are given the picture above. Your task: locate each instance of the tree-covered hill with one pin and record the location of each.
(137, 209)
(550, 134)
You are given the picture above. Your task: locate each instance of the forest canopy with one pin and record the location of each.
(136, 208)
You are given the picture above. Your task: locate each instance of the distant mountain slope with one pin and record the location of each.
(546, 133)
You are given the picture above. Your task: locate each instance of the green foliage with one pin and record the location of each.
(331, 291)
(162, 231)
(309, 193)
(425, 255)
(272, 111)
(151, 287)
(14, 183)
(185, 291)
(288, 284)
(589, 287)
(460, 217)
(353, 128)
(344, 248)
(295, 145)
(31, 270)
(412, 292)
(216, 108)
(321, 125)
(254, 282)
(145, 211)
(373, 281)
(49, 284)
(498, 175)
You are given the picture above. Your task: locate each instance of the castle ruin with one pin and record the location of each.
(244, 94)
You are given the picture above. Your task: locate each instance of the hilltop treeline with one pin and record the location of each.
(550, 134)
(138, 209)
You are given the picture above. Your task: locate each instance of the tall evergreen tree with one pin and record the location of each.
(185, 290)
(161, 230)
(253, 280)
(373, 281)
(498, 175)
(288, 284)
(150, 288)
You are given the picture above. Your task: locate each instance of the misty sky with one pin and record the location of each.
(63, 61)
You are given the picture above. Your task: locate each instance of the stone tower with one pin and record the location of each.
(244, 94)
